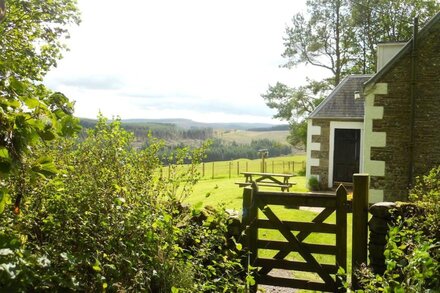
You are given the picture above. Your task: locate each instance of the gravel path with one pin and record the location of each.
(276, 289)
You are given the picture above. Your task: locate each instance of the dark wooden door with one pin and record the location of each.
(346, 154)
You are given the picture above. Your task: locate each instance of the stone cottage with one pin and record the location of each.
(393, 114)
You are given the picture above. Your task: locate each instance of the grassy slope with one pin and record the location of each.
(245, 137)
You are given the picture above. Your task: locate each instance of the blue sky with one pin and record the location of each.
(198, 59)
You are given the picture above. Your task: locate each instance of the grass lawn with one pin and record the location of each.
(224, 191)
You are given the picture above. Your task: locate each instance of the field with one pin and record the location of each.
(224, 191)
(245, 136)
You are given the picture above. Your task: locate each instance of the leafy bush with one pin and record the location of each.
(412, 253)
(109, 221)
(313, 183)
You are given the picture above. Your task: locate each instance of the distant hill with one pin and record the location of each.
(187, 123)
(283, 127)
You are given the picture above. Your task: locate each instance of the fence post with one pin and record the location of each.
(230, 169)
(288, 166)
(361, 183)
(293, 166)
(249, 217)
(341, 229)
(203, 169)
(212, 170)
(284, 168)
(238, 168)
(169, 171)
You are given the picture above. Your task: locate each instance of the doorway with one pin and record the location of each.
(346, 154)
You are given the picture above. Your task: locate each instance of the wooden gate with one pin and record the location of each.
(258, 203)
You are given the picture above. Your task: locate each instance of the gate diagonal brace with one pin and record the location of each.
(303, 251)
(320, 218)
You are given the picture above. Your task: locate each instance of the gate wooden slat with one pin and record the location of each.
(281, 245)
(299, 199)
(300, 226)
(321, 217)
(294, 283)
(293, 265)
(304, 252)
(341, 223)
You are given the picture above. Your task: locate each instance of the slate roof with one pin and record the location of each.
(340, 103)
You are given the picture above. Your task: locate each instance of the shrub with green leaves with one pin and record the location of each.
(110, 220)
(412, 252)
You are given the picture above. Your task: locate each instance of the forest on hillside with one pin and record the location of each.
(176, 138)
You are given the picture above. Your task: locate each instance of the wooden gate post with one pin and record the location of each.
(361, 183)
(248, 221)
(341, 230)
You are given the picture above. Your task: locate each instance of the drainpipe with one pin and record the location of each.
(413, 102)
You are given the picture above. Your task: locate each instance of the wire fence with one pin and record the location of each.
(231, 169)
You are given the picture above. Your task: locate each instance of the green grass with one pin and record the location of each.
(224, 191)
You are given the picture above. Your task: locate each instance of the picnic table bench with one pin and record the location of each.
(267, 179)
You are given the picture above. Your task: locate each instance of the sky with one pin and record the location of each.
(205, 60)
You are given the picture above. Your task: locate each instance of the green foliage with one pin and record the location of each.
(108, 221)
(412, 253)
(298, 134)
(313, 184)
(30, 44)
(219, 150)
(426, 194)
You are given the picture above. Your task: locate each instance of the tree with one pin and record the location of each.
(294, 104)
(339, 36)
(322, 39)
(377, 21)
(31, 42)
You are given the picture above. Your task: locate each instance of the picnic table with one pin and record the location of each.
(267, 179)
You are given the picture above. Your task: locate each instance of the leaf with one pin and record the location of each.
(4, 154)
(5, 161)
(5, 199)
(31, 103)
(45, 166)
(17, 85)
(6, 251)
(197, 208)
(250, 280)
(96, 267)
(46, 135)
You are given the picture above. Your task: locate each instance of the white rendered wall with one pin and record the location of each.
(312, 146)
(374, 139)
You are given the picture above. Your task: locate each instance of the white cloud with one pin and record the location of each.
(204, 60)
